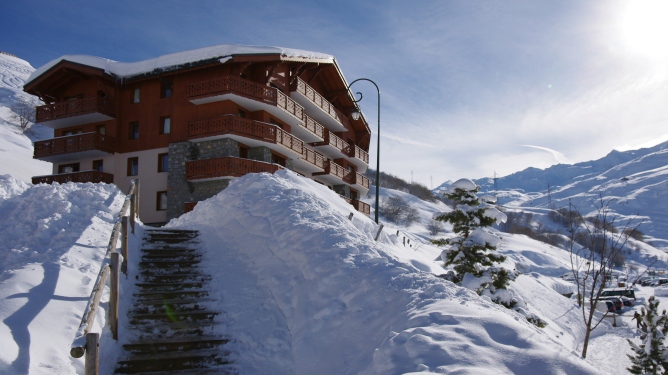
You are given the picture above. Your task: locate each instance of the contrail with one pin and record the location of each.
(561, 158)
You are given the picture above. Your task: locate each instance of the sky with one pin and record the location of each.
(468, 88)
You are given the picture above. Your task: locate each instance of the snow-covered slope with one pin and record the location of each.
(633, 182)
(52, 240)
(307, 291)
(16, 149)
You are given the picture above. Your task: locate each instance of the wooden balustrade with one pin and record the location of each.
(362, 207)
(290, 106)
(336, 170)
(75, 143)
(362, 155)
(189, 206)
(245, 128)
(313, 158)
(314, 127)
(305, 89)
(226, 167)
(85, 176)
(74, 107)
(222, 85)
(357, 179)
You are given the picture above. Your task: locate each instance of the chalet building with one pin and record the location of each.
(187, 123)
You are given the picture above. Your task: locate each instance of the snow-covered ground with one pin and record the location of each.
(16, 148)
(304, 290)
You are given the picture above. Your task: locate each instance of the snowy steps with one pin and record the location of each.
(170, 321)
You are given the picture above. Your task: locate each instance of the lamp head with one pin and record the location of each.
(355, 115)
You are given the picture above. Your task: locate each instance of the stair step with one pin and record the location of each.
(168, 263)
(176, 344)
(169, 296)
(171, 258)
(186, 316)
(169, 278)
(175, 302)
(172, 361)
(171, 308)
(172, 330)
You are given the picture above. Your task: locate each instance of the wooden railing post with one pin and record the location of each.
(133, 208)
(114, 286)
(137, 211)
(124, 244)
(92, 362)
(380, 229)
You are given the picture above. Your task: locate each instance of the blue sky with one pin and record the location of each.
(467, 87)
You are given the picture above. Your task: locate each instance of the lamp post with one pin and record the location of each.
(356, 115)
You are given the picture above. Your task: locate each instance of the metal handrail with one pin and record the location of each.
(85, 342)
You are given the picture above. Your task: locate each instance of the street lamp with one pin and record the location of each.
(356, 115)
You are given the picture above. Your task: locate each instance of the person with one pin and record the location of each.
(636, 317)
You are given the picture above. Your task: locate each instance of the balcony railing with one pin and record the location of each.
(317, 99)
(222, 85)
(314, 127)
(85, 176)
(75, 143)
(74, 107)
(313, 158)
(246, 128)
(226, 167)
(288, 105)
(357, 179)
(336, 170)
(362, 207)
(362, 155)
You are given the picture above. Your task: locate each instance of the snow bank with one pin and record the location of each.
(308, 291)
(53, 238)
(167, 62)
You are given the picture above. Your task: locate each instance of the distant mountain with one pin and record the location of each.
(632, 182)
(16, 148)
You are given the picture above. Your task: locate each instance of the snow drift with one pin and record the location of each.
(307, 291)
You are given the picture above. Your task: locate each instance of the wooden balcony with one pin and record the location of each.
(249, 132)
(248, 94)
(358, 205)
(333, 146)
(225, 168)
(311, 161)
(362, 207)
(61, 149)
(310, 130)
(333, 174)
(358, 181)
(75, 112)
(317, 106)
(85, 176)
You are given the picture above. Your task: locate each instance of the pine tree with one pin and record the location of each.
(650, 356)
(471, 252)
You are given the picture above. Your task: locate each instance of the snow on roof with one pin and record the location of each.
(173, 60)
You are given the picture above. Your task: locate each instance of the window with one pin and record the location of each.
(137, 95)
(166, 91)
(134, 130)
(161, 201)
(102, 129)
(165, 125)
(241, 114)
(278, 160)
(243, 152)
(97, 165)
(133, 166)
(68, 168)
(163, 162)
(71, 132)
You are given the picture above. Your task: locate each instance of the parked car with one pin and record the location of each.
(645, 281)
(627, 296)
(658, 281)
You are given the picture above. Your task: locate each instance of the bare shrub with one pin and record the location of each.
(24, 113)
(434, 227)
(397, 210)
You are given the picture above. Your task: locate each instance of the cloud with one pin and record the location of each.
(558, 156)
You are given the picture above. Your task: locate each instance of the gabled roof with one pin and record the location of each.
(175, 60)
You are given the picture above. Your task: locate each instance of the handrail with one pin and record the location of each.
(110, 265)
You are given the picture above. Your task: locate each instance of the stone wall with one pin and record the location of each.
(180, 191)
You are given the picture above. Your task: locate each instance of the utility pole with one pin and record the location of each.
(496, 187)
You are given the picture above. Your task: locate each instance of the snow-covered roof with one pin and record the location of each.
(168, 62)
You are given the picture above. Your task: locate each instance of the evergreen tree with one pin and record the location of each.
(471, 252)
(650, 356)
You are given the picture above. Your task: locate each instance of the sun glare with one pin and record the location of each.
(645, 27)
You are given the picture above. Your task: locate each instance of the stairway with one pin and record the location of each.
(171, 324)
